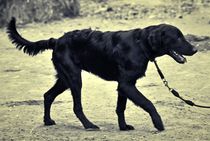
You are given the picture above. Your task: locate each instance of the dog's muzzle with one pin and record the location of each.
(177, 57)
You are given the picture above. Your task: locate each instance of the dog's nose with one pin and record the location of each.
(194, 50)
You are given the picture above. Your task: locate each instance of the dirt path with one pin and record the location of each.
(24, 79)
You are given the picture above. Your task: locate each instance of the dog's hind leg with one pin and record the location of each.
(72, 76)
(121, 106)
(49, 97)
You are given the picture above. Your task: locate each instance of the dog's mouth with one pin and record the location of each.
(177, 57)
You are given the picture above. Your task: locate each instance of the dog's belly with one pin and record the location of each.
(102, 67)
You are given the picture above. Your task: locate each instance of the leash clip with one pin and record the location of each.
(173, 91)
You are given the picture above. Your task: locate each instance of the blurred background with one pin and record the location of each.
(27, 11)
(24, 79)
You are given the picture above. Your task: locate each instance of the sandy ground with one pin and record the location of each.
(24, 79)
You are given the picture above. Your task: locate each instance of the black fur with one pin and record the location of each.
(31, 48)
(120, 56)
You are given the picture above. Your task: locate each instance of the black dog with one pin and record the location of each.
(120, 56)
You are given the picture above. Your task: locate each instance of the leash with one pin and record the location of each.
(173, 91)
(165, 82)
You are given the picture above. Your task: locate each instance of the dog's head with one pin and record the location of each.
(167, 39)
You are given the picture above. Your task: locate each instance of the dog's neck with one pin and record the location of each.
(144, 45)
(147, 53)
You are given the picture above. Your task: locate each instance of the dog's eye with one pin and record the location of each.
(180, 39)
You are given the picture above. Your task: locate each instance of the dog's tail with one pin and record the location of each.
(31, 48)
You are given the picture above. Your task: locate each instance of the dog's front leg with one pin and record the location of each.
(121, 106)
(131, 92)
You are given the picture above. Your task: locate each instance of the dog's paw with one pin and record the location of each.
(157, 121)
(160, 127)
(92, 128)
(49, 122)
(127, 128)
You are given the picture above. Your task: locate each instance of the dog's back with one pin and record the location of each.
(95, 51)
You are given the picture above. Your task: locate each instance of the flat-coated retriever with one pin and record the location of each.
(120, 56)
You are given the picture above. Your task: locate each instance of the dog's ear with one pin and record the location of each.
(155, 39)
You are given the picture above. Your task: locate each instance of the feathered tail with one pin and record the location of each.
(31, 48)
